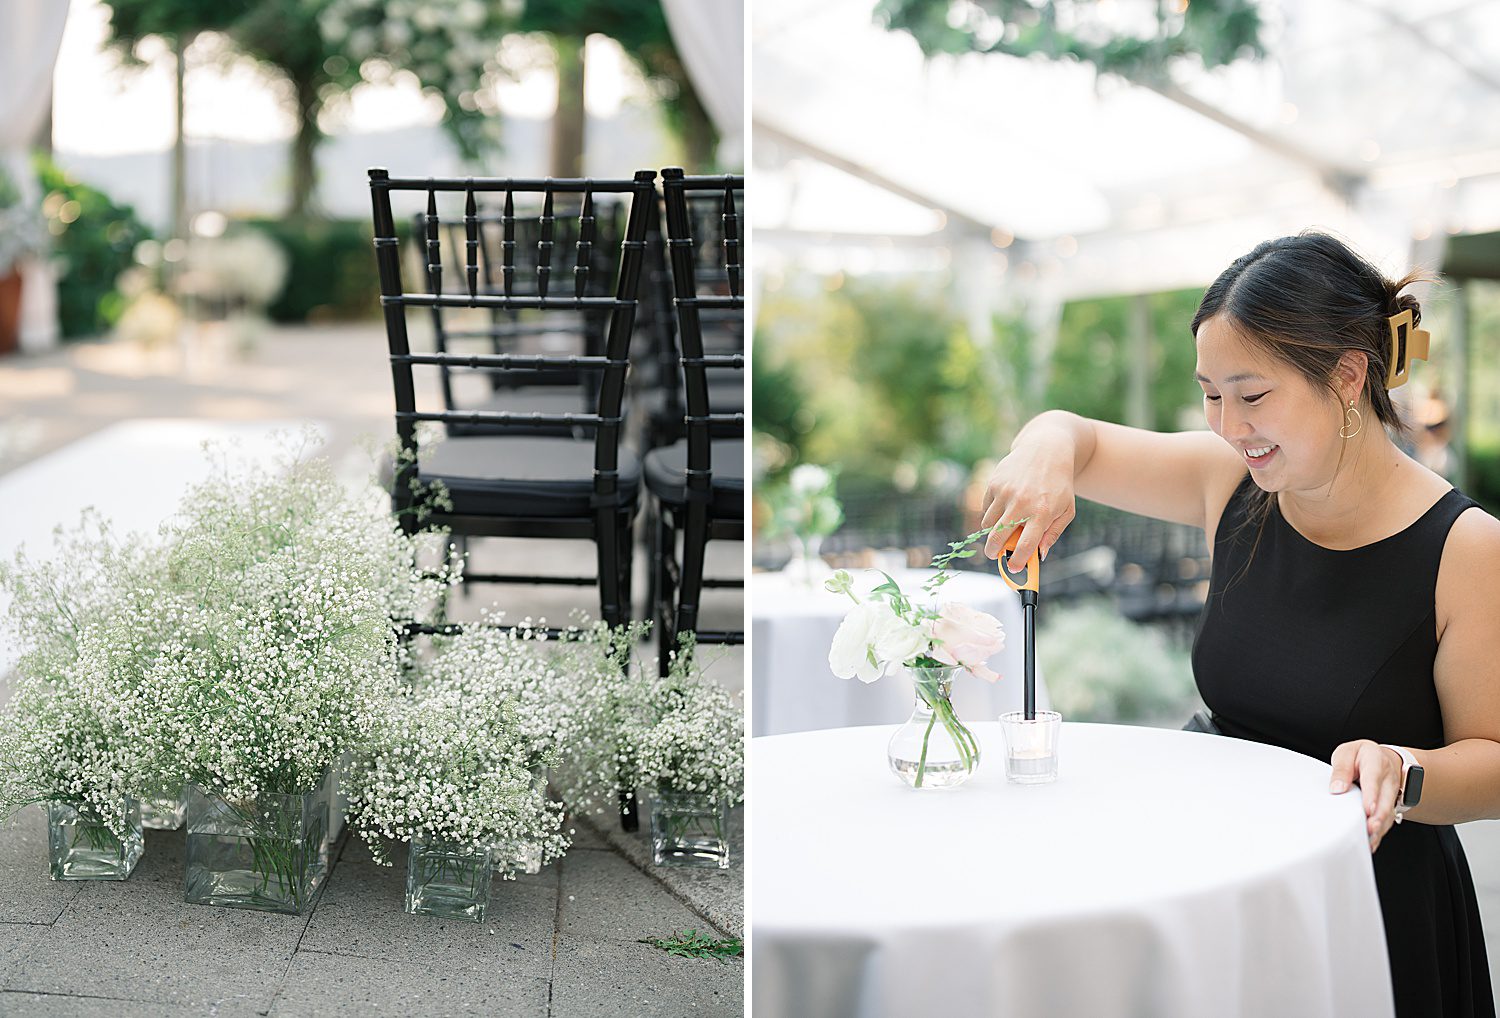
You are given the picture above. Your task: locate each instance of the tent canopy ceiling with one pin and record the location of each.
(1361, 118)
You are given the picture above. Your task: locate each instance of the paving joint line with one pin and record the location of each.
(556, 933)
(96, 996)
(334, 858)
(24, 922)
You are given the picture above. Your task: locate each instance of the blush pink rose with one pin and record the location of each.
(967, 639)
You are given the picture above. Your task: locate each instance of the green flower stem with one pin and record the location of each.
(682, 827)
(942, 710)
(922, 761)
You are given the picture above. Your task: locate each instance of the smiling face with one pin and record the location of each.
(1284, 427)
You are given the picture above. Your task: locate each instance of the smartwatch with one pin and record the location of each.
(1411, 781)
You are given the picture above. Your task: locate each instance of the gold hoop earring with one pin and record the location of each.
(1344, 431)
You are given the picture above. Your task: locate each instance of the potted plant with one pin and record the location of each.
(20, 235)
(536, 675)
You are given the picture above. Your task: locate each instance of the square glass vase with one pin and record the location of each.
(164, 810)
(449, 881)
(269, 853)
(689, 829)
(80, 846)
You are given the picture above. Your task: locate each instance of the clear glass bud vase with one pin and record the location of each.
(933, 749)
(807, 567)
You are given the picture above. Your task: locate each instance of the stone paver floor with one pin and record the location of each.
(564, 943)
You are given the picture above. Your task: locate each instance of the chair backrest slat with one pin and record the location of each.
(731, 243)
(508, 243)
(585, 245)
(471, 242)
(544, 248)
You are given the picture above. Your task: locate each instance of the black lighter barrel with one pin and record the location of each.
(1028, 600)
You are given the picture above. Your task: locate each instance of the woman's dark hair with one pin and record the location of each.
(1305, 300)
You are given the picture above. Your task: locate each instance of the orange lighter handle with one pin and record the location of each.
(1033, 565)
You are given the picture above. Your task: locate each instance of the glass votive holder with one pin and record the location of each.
(1031, 746)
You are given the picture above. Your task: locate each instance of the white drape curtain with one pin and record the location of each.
(30, 34)
(710, 38)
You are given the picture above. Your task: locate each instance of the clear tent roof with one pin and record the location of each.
(1364, 118)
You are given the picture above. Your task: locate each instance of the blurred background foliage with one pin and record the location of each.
(93, 241)
(881, 377)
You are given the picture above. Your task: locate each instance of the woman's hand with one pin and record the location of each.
(1377, 772)
(1035, 481)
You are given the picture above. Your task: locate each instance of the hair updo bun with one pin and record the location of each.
(1400, 302)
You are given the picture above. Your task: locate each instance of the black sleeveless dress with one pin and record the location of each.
(1306, 648)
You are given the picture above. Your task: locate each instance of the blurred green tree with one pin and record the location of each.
(281, 34)
(640, 27)
(875, 376)
(284, 35)
(1091, 363)
(1217, 32)
(177, 23)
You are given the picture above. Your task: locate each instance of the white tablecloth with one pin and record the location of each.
(792, 626)
(1165, 874)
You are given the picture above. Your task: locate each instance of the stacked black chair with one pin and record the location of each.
(523, 472)
(723, 329)
(697, 484)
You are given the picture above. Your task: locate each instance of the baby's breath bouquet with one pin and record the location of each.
(283, 651)
(451, 768)
(642, 729)
(522, 665)
(679, 735)
(79, 730)
(693, 736)
(286, 593)
(690, 753)
(597, 770)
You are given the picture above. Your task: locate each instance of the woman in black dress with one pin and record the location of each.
(1354, 604)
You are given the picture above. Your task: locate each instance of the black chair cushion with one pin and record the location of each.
(666, 476)
(503, 475)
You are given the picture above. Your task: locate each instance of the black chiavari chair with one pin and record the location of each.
(697, 484)
(517, 472)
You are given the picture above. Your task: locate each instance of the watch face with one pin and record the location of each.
(1413, 786)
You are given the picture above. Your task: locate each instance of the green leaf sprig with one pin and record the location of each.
(692, 944)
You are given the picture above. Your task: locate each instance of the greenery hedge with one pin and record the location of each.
(332, 269)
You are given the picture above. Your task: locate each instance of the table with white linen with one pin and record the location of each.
(1165, 874)
(792, 626)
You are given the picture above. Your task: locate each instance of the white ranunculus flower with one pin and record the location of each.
(872, 628)
(808, 479)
